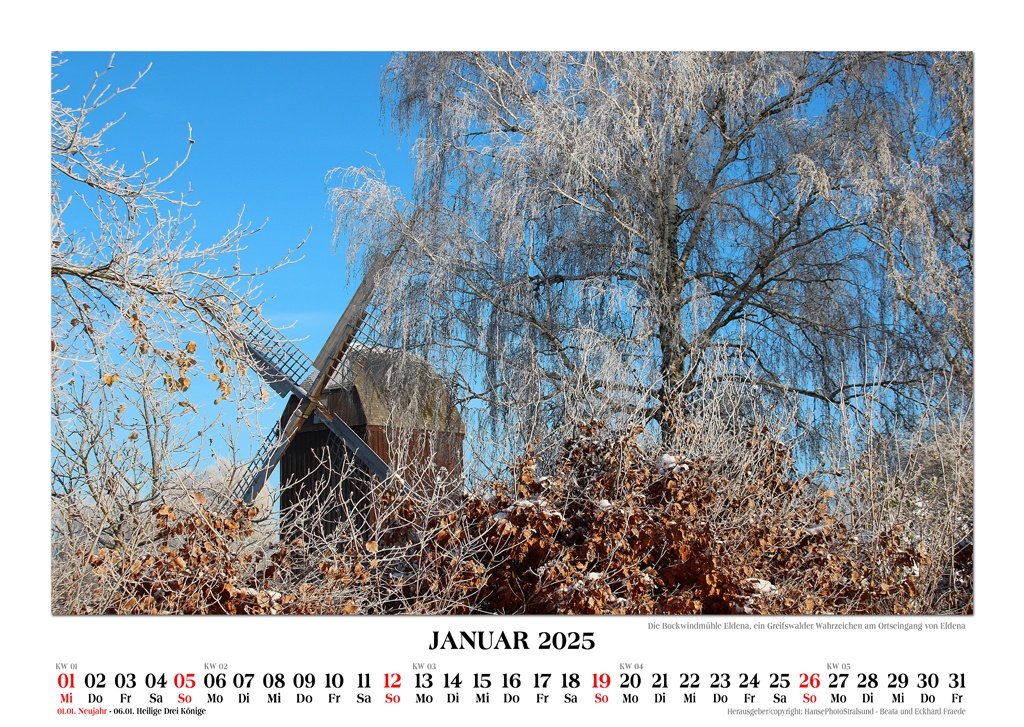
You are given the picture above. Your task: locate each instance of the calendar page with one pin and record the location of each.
(518, 385)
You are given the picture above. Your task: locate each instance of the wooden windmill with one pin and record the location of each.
(351, 378)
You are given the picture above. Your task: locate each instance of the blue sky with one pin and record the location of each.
(267, 127)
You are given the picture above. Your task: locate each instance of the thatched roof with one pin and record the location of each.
(398, 389)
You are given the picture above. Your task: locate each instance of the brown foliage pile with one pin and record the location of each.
(193, 565)
(612, 530)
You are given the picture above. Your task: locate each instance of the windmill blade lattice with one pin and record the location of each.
(359, 321)
(280, 362)
(257, 465)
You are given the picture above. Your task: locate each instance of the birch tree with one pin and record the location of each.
(599, 232)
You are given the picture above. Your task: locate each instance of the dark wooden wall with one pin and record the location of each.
(315, 499)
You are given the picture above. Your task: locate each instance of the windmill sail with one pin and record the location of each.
(288, 371)
(347, 327)
(279, 361)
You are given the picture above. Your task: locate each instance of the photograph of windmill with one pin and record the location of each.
(616, 333)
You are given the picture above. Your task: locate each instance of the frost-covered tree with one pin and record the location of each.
(130, 332)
